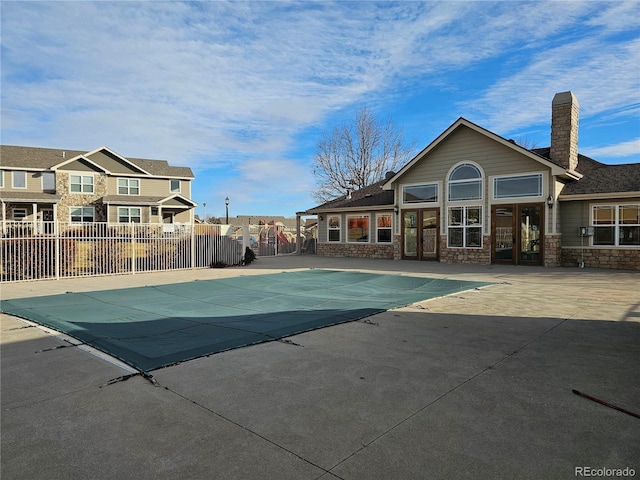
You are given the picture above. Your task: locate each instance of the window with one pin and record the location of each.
(465, 183)
(175, 186)
(334, 228)
(383, 228)
(129, 215)
(616, 225)
(518, 186)
(357, 228)
(19, 179)
(19, 213)
(81, 183)
(128, 186)
(465, 227)
(1, 178)
(81, 214)
(48, 182)
(420, 193)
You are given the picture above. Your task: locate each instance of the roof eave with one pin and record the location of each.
(181, 197)
(555, 169)
(366, 208)
(597, 196)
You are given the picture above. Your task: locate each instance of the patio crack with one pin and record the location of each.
(253, 432)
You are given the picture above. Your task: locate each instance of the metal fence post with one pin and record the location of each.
(133, 250)
(193, 246)
(57, 250)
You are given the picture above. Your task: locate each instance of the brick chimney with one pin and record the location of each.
(564, 130)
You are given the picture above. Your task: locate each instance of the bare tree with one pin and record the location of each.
(526, 142)
(352, 156)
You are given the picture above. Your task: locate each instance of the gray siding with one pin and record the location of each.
(112, 163)
(467, 145)
(577, 213)
(80, 166)
(151, 187)
(573, 215)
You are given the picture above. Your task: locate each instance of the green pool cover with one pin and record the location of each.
(156, 326)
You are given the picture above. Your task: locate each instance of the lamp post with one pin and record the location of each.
(204, 215)
(226, 204)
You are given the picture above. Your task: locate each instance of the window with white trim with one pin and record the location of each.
(1, 178)
(616, 225)
(129, 215)
(383, 228)
(19, 179)
(465, 183)
(174, 185)
(333, 228)
(427, 193)
(128, 186)
(464, 227)
(358, 228)
(81, 183)
(518, 186)
(81, 214)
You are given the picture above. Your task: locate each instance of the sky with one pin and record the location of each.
(241, 92)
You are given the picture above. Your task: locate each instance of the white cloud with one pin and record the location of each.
(602, 75)
(221, 84)
(624, 149)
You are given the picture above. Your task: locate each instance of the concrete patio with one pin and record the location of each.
(473, 385)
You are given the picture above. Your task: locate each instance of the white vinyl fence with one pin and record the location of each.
(41, 250)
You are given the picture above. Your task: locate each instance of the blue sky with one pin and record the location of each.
(241, 92)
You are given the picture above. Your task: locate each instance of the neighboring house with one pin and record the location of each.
(97, 186)
(472, 196)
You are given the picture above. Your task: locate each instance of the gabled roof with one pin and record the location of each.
(599, 179)
(82, 159)
(86, 158)
(36, 158)
(370, 196)
(145, 200)
(556, 168)
(591, 179)
(179, 198)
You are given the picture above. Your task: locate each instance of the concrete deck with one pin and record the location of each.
(474, 385)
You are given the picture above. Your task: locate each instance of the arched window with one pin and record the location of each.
(465, 183)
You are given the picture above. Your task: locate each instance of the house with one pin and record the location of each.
(98, 186)
(472, 196)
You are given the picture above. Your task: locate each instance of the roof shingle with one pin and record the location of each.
(13, 156)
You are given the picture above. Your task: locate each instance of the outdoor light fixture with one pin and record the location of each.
(396, 209)
(226, 204)
(550, 201)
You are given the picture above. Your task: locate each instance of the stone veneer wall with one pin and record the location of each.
(79, 199)
(552, 250)
(564, 129)
(619, 258)
(356, 250)
(480, 256)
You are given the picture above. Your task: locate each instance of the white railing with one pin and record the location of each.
(44, 250)
(39, 250)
